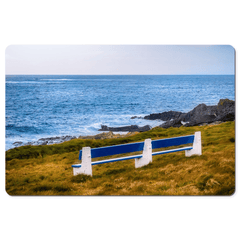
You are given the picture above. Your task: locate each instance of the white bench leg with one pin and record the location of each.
(197, 146)
(86, 167)
(147, 154)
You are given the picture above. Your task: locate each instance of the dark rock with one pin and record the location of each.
(225, 106)
(178, 122)
(104, 128)
(226, 110)
(203, 114)
(50, 138)
(227, 117)
(144, 128)
(132, 128)
(18, 144)
(172, 123)
(165, 116)
(135, 117)
(201, 120)
(198, 112)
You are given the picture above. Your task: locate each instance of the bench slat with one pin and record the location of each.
(162, 143)
(111, 160)
(172, 150)
(113, 150)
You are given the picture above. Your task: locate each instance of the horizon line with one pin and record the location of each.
(114, 74)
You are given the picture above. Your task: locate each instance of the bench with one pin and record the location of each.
(86, 154)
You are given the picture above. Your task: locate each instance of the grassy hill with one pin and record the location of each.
(46, 170)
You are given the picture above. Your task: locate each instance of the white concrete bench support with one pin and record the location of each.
(86, 167)
(147, 154)
(197, 146)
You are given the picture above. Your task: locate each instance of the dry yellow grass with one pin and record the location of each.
(213, 173)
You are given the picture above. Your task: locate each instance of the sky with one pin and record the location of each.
(119, 59)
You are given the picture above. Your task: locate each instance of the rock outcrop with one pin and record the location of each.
(165, 116)
(172, 123)
(224, 111)
(132, 128)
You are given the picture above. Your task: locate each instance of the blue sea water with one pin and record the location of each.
(40, 106)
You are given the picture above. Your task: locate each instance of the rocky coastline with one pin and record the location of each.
(200, 115)
(54, 140)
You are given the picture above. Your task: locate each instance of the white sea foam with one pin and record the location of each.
(121, 133)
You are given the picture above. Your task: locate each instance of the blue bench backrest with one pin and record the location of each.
(135, 147)
(169, 142)
(112, 150)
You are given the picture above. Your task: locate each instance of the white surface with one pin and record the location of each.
(119, 22)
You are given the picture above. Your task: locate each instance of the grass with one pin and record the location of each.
(46, 170)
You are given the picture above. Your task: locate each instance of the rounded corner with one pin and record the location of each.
(6, 192)
(234, 192)
(8, 48)
(234, 50)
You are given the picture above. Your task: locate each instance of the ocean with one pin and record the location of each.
(40, 106)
